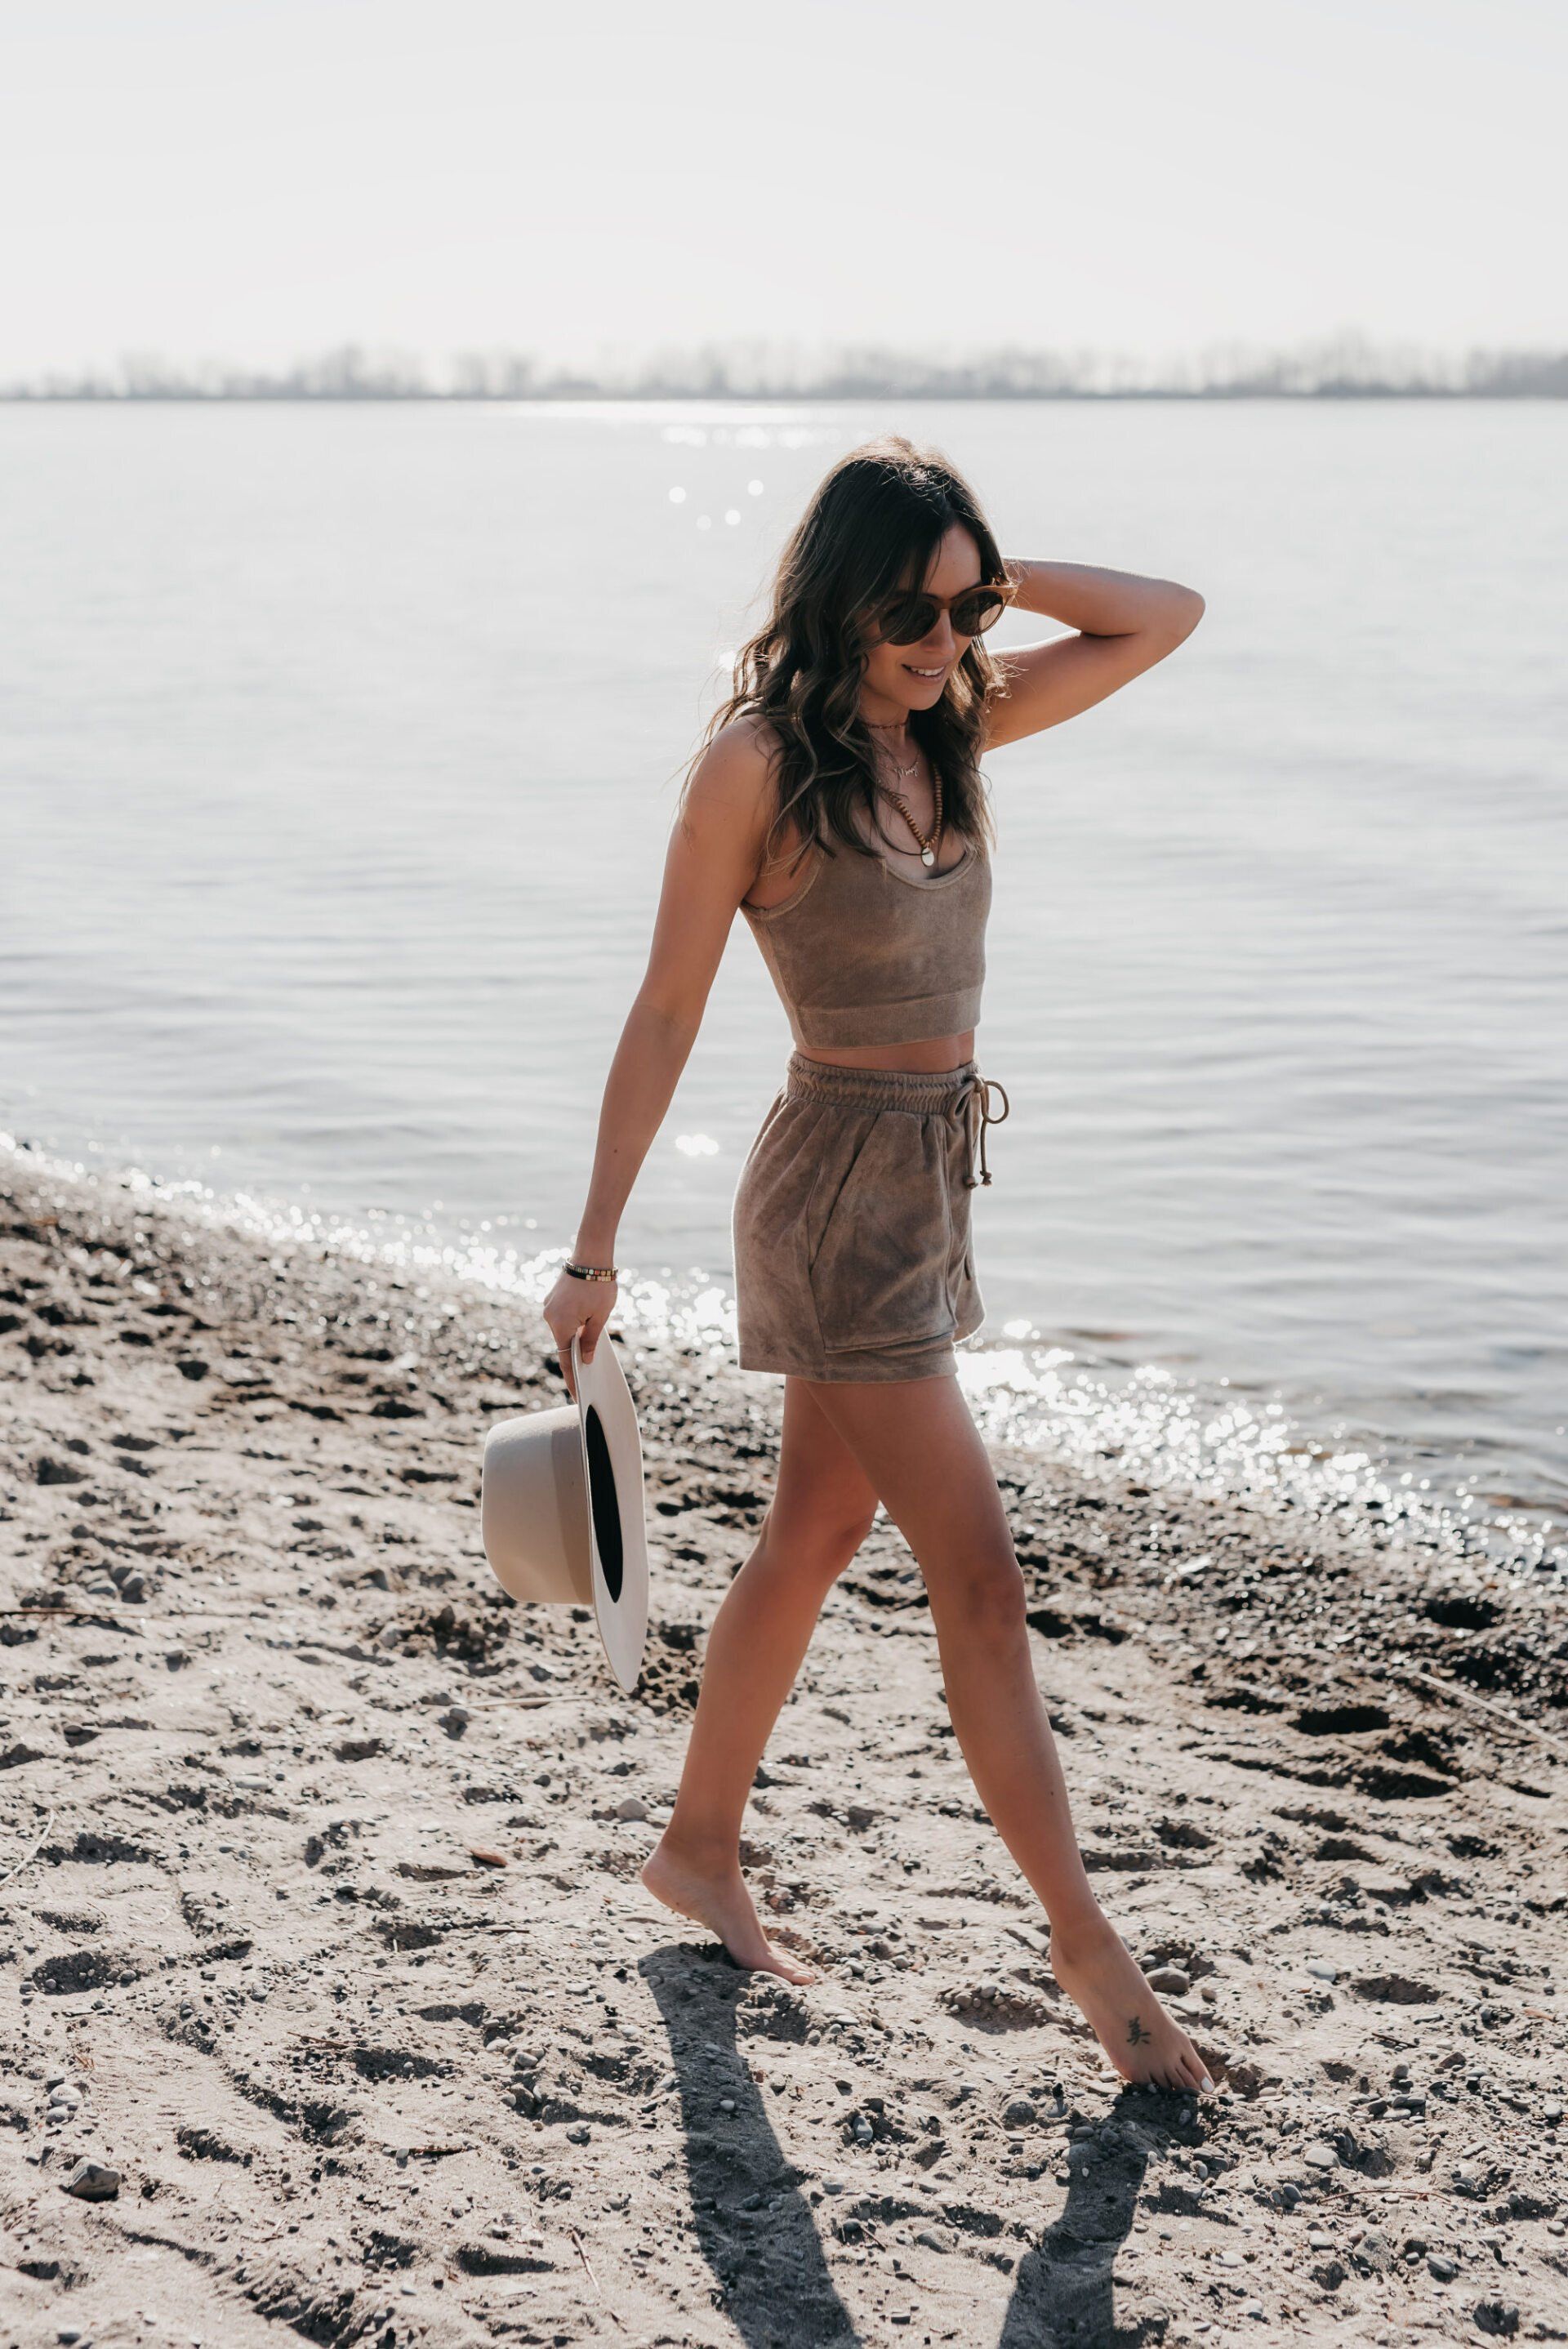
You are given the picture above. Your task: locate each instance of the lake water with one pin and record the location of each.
(340, 753)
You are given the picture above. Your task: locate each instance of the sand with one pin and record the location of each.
(319, 1876)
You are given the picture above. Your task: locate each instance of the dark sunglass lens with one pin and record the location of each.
(908, 618)
(973, 615)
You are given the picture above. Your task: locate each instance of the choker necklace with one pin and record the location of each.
(900, 772)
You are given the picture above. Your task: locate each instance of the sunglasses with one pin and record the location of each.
(908, 616)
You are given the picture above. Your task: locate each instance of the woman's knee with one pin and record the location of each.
(985, 1599)
(823, 1540)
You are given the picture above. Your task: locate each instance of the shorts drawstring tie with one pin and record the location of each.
(973, 1104)
(964, 1096)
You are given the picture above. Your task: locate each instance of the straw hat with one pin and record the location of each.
(562, 1510)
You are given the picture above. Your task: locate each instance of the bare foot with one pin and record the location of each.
(719, 1900)
(1102, 1976)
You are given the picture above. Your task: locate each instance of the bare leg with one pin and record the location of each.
(923, 1453)
(820, 1513)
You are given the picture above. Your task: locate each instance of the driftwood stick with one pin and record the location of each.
(1282, 1699)
(17, 1866)
(141, 1621)
(1463, 1695)
(594, 2278)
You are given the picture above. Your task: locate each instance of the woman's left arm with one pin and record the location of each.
(1125, 623)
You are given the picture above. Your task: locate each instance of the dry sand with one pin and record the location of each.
(318, 1862)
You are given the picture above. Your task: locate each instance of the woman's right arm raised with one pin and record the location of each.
(714, 852)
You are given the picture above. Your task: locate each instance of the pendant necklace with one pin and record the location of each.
(927, 840)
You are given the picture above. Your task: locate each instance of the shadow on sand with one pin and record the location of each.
(753, 2221)
(759, 2234)
(1063, 2294)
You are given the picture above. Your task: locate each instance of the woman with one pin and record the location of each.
(837, 800)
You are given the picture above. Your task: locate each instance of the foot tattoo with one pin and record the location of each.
(1104, 1980)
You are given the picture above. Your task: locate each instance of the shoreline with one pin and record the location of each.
(319, 1872)
(1327, 1462)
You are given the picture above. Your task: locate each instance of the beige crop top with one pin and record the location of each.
(861, 953)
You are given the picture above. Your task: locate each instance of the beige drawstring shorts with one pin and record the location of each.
(851, 1222)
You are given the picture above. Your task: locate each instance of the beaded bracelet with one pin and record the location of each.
(591, 1272)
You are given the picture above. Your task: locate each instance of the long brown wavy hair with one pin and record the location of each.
(875, 523)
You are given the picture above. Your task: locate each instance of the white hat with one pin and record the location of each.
(561, 1507)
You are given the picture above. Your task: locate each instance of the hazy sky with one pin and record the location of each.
(205, 179)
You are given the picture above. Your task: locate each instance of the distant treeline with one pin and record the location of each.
(1345, 367)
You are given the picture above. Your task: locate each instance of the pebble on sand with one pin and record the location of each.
(92, 2181)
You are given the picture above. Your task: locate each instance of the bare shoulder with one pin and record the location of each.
(740, 761)
(731, 793)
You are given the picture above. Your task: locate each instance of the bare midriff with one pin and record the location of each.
(929, 1055)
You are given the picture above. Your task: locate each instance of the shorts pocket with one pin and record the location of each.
(879, 1265)
(768, 1227)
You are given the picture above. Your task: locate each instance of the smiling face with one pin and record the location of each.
(900, 678)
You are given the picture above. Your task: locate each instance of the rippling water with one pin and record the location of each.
(341, 749)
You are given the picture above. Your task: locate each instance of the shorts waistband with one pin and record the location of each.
(961, 1094)
(907, 1088)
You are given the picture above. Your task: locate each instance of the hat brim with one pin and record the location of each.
(613, 1479)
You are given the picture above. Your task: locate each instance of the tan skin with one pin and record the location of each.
(911, 1444)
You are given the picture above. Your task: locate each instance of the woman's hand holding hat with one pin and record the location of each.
(577, 1307)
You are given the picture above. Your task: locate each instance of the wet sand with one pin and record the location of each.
(318, 1877)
